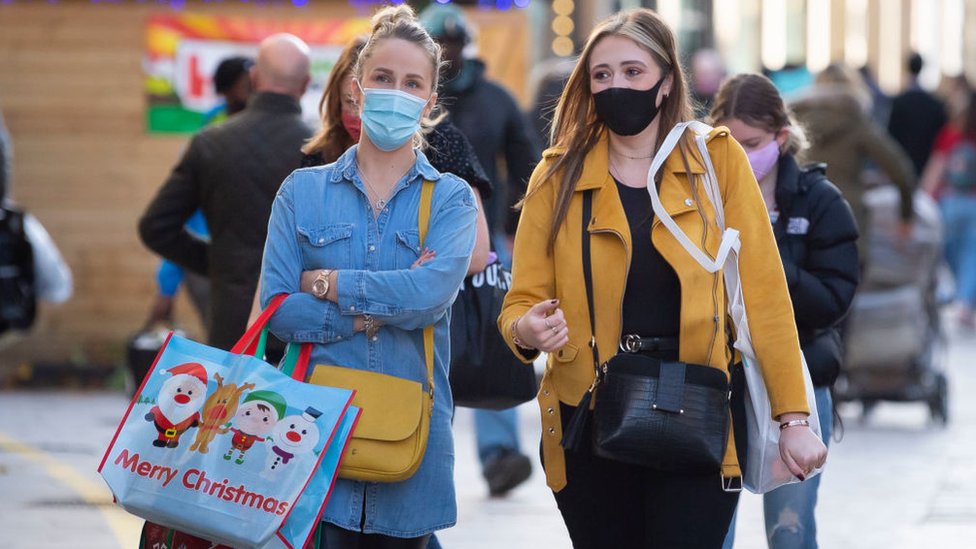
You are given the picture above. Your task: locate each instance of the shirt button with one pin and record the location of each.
(352, 307)
(689, 202)
(372, 248)
(375, 338)
(338, 338)
(321, 240)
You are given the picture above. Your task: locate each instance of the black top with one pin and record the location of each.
(448, 152)
(652, 299)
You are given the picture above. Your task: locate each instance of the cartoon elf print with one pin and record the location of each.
(255, 418)
(179, 402)
(292, 436)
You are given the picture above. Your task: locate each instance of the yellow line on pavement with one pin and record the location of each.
(125, 527)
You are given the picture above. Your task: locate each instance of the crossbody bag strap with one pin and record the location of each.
(423, 222)
(573, 433)
(588, 274)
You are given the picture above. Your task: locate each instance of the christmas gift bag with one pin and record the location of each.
(219, 444)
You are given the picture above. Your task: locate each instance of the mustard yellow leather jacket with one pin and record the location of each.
(538, 276)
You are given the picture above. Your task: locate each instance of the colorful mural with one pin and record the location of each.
(184, 49)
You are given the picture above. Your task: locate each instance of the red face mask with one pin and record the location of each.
(353, 125)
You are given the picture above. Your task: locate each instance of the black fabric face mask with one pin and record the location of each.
(627, 111)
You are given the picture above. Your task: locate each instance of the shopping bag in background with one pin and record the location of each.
(219, 444)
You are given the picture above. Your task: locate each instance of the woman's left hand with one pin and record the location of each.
(801, 450)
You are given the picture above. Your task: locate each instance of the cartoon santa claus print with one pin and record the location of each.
(179, 402)
(292, 436)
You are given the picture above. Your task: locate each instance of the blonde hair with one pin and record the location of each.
(754, 99)
(575, 127)
(401, 22)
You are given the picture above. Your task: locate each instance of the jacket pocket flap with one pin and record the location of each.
(567, 353)
(323, 236)
(391, 406)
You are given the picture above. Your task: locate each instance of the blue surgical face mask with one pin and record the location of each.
(390, 117)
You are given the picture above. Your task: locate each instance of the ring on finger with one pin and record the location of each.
(554, 329)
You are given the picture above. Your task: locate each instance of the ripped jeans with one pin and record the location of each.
(788, 510)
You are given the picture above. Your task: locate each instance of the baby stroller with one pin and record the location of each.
(895, 341)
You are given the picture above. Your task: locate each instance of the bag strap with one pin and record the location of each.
(730, 237)
(423, 221)
(588, 273)
(573, 433)
(250, 340)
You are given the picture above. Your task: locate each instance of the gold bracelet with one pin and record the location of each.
(515, 337)
(369, 326)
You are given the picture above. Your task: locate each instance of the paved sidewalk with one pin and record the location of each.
(895, 482)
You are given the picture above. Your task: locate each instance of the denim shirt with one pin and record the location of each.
(321, 218)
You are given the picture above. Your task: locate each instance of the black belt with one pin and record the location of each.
(633, 343)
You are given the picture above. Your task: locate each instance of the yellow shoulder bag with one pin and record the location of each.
(390, 439)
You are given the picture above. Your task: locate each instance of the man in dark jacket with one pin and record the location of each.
(491, 120)
(232, 172)
(916, 117)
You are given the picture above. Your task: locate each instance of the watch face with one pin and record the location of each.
(319, 288)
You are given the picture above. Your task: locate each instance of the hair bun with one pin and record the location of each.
(391, 15)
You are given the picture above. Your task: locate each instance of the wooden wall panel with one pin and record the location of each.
(71, 94)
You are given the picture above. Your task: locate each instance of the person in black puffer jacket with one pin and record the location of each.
(817, 239)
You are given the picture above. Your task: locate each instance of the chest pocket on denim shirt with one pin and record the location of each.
(326, 247)
(407, 248)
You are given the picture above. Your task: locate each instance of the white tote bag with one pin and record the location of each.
(765, 470)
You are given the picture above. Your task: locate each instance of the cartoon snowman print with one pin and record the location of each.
(293, 436)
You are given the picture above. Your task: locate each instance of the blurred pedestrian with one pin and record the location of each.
(366, 310)
(232, 172)
(879, 105)
(490, 118)
(916, 117)
(232, 83)
(816, 235)
(548, 80)
(31, 265)
(951, 177)
(707, 73)
(834, 113)
(626, 93)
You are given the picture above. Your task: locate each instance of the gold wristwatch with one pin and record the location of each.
(320, 286)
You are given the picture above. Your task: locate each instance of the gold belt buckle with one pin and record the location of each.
(170, 433)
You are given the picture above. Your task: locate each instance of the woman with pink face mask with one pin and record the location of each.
(816, 235)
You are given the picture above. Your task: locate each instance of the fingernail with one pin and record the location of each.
(801, 477)
(554, 301)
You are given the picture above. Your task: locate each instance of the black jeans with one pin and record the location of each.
(613, 504)
(333, 537)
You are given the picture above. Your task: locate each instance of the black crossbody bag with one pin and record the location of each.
(667, 415)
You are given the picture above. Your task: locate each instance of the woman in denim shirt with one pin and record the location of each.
(354, 224)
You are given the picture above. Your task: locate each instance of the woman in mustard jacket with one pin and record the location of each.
(626, 92)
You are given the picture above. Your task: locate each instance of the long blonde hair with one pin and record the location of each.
(575, 127)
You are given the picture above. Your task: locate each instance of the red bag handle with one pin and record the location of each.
(249, 341)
